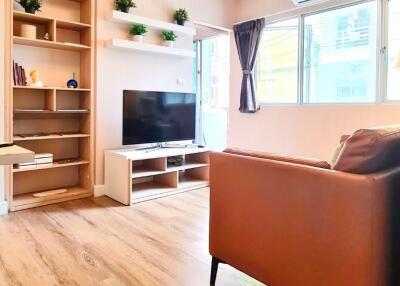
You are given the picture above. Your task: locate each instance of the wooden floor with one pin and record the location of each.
(98, 242)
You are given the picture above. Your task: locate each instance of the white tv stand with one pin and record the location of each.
(133, 176)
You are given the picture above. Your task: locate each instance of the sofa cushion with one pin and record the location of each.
(370, 150)
(282, 158)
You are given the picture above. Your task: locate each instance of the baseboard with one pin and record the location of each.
(3, 208)
(99, 190)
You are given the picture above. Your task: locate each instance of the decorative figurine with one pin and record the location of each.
(72, 83)
(35, 79)
(46, 37)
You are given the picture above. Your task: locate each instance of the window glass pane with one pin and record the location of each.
(340, 55)
(393, 92)
(276, 69)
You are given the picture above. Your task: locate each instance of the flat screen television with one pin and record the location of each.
(157, 117)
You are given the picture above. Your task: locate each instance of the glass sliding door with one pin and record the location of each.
(212, 85)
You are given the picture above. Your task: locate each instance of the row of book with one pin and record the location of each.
(19, 75)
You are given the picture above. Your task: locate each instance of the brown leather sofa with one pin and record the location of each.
(295, 222)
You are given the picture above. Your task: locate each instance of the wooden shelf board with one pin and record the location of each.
(142, 172)
(152, 190)
(51, 88)
(49, 44)
(71, 89)
(53, 166)
(25, 201)
(187, 182)
(149, 48)
(187, 166)
(68, 25)
(32, 18)
(120, 17)
(50, 137)
(32, 87)
(51, 112)
(38, 19)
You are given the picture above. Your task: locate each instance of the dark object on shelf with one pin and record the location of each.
(175, 160)
(72, 83)
(31, 6)
(181, 16)
(19, 76)
(124, 5)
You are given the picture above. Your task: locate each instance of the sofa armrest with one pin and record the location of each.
(290, 224)
(280, 157)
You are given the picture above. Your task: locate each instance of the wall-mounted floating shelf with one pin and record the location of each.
(131, 45)
(120, 17)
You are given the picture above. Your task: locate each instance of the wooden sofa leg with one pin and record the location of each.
(214, 269)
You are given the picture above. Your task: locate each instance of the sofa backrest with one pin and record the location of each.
(282, 158)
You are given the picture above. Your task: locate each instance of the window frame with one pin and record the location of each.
(381, 45)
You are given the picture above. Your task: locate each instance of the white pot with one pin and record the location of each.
(137, 38)
(169, 43)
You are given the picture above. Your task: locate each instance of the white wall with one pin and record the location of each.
(118, 70)
(307, 130)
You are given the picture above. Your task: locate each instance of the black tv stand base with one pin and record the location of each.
(168, 146)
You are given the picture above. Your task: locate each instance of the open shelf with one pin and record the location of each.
(49, 44)
(149, 48)
(55, 164)
(50, 111)
(33, 18)
(50, 137)
(24, 201)
(188, 182)
(143, 172)
(120, 17)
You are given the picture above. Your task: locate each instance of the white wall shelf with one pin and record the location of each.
(120, 17)
(149, 48)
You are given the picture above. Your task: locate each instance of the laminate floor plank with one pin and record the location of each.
(97, 241)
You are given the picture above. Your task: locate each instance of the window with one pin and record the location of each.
(340, 55)
(393, 51)
(276, 69)
(338, 60)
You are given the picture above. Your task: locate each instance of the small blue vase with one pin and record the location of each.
(72, 83)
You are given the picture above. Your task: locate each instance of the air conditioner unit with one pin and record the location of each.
(307, 2)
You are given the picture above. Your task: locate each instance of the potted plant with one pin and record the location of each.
(137, 31)
(169, 38)
(124, 5)
(181, 16)
(31, 6)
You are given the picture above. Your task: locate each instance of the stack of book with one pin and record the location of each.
(41, 160)
(19, 75)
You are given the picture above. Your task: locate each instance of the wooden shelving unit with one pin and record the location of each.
(53, 119)
(134, 176)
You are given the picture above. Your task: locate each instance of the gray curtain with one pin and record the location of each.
(247, 36)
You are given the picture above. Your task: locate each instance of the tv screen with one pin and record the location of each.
(156, 117)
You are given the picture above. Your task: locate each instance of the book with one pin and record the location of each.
(14, 79)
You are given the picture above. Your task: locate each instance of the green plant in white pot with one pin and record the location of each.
(124, 5)
(31, 6)
(137, 32)
(169, 38)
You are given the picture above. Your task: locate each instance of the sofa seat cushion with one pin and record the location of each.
(370, 150)
(282, 158)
